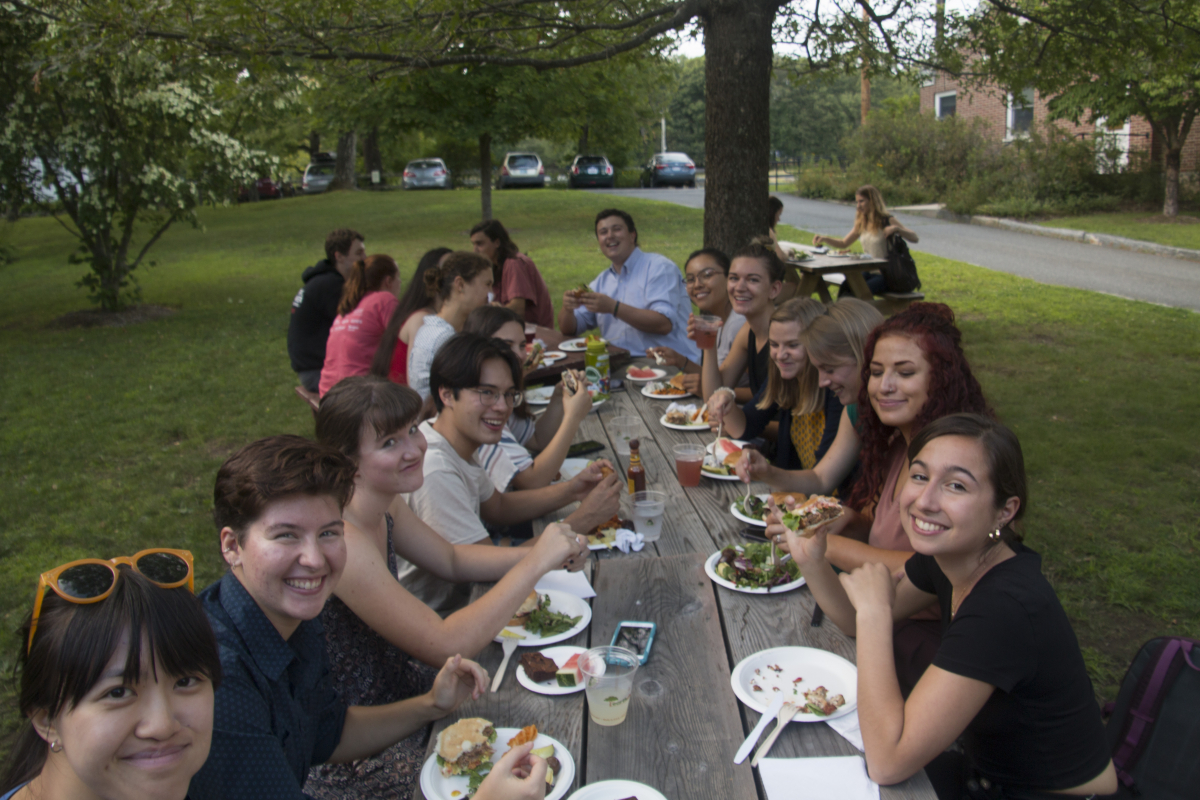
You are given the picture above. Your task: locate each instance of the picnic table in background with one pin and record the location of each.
(820, 271)
(684, 722)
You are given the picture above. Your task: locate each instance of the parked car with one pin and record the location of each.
(427, 173)
(317, 178)
(267, 190)
(521, 169)
(669, 169)
(595, 171)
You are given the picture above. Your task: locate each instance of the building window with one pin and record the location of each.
(1020, 113)
(944, 104)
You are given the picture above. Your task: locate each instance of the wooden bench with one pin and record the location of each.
(891, 302)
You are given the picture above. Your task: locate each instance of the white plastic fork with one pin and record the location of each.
(785, 716)
(510, 646)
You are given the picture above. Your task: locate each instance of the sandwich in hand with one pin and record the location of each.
(807, 518)
(580, 290)
(534, 357)
(464, 746)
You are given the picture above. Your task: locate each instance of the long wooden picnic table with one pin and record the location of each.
(684, 722)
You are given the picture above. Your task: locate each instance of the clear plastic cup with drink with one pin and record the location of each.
(624, 429)
(648, 510)
(608, 683)
(688, 460)
(705, 328)
(530, 332)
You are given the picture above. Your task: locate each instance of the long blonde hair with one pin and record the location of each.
(840, 335)
(802, 393)
(876, 216)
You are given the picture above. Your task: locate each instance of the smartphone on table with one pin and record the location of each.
(580, 449)
(635, 636)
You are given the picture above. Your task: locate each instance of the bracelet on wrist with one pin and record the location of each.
(616, 308)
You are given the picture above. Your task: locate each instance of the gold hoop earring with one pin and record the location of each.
(56, 746)
(995, 535)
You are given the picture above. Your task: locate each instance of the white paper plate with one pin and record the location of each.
(551, 356)
(436, 787)
(559, 655)
(710, 567)
(539, 396)
(573, 345)
(816, 667)
(703, 426)
(750, 520)
(572, 467)
(564, 603)
(646, 391)
(739, 442)
(711, 476)
(658, 375)
(617, 790)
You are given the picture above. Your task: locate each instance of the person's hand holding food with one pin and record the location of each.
(518, 775)
(577, 402)
(751, 464)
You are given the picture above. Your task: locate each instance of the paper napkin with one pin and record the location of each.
(561, 580)
(628, 540)
(843, 777)
(847, 726)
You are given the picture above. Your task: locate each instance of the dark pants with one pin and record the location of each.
(310, 379)
(875, 282)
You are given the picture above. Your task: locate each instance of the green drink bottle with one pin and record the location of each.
(596, 363)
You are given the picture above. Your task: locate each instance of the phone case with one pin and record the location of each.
(638, 624)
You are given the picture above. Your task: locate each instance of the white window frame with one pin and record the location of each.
(1121, 136)
(1009, 134)
(937, 106)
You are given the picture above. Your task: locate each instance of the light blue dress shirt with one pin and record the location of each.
(650, 281)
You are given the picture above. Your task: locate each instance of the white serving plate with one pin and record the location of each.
(646, 392)
(617, 790)
(559, 655)
(573, 345)
(563, 603)
(816, 667)
(436, 787)
(658, 375)
(710, 567)
(749, 520)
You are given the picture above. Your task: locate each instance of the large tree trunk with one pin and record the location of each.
(583, 140)
(485, 176)
(737, 136)
(347, 152)
(1171, 175)
(372, 158)
(314, 145)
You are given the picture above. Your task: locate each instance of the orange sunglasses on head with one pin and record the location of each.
(90, 580)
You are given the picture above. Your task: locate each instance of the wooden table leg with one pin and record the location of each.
(824, 290)
(810, 284)
(858, 285)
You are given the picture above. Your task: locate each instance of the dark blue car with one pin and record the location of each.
(669, 169)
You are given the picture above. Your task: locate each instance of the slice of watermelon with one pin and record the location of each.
(639, 372)
(726, 448)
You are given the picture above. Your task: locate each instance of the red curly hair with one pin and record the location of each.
(952, 390)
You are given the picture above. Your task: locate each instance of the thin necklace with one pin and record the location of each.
(979, 572)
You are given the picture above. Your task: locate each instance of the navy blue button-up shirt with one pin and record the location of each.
(276, 714)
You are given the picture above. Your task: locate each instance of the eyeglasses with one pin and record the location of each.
(90, 580)
(706, 275)
(489, 397)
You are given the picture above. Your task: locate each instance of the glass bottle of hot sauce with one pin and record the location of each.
(637, 473)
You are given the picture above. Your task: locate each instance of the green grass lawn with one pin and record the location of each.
(1127, 224)
(111, 437)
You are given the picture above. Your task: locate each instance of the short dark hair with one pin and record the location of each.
(75, 642)
(274, 468)
(713, 253)
(616, 212)
(340, 241)
(486, 320)
(459, 364)
(364, 400)
(1001, 448)
(762, 252)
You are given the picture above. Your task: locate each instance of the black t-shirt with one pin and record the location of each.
(756, 367)
(313, 311)
(1041, 728)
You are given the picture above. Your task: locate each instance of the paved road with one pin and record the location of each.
(1156, 279)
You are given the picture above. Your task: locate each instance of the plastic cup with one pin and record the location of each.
(608, 683)
(688, 460)
(624, 429)
(648, 508)
(530, 332)
(707, 326)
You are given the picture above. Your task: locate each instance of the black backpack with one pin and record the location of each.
(901, 270)
(1154, 731)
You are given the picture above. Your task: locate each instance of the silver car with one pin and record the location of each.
(317, 178)
(521, 169)
(427, 173)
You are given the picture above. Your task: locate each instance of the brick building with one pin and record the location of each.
(1007, 116)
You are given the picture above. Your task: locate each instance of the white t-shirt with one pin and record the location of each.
(433, 333)
(448, 501)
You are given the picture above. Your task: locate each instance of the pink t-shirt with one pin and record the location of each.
(521, 279)
(354, 338)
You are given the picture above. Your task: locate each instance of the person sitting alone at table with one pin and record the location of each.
(873, 223)
(459, 286)
(391, 358)
(638, 302)
(808, 415)
(117, 669)
(475, 383)
(515, 278)
(376, 632)
(791, 278)
(706, 275)
(1008, 680)
(278, 506)
(509, 462)
(368, 299)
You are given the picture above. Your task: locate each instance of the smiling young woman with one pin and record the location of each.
(1008, 676)
(117, 693)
